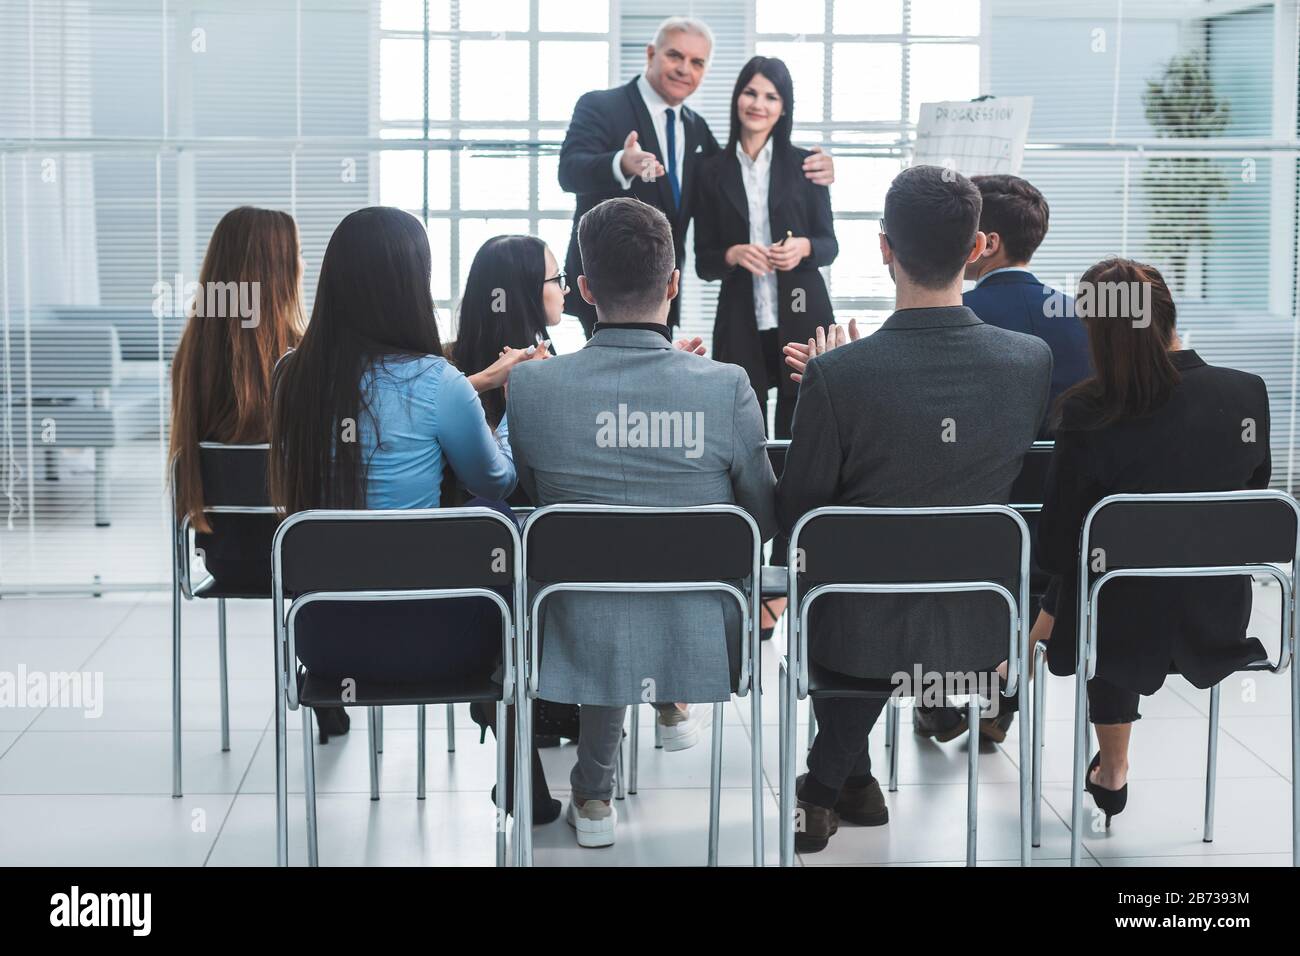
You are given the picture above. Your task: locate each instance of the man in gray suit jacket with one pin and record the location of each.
(936, 408)
(632, 420)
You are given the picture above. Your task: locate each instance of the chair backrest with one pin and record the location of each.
(777, 449)
(1030, 486)
(844, 545)
(1192, 530)
(234, 476)
(621, 544)
(418, 550)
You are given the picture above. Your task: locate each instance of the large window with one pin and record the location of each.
(481, 93)
(861, 71)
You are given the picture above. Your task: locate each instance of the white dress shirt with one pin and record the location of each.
(656, 107)
(757, 176)
(993, 272)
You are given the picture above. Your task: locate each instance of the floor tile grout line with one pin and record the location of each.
(37, 716)
(239, 788)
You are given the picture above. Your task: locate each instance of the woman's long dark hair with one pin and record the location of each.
(373, 301)
(779, 75)
(502, 305)
(1133, 373)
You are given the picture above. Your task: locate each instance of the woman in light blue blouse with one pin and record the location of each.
(368, 414)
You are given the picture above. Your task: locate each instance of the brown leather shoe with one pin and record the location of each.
(863, 806)
(813, 827)
(995, 728)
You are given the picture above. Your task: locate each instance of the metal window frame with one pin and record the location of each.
(750, 651)
(793, 666)
(1086, 636)
(454, 215)
(285, 662)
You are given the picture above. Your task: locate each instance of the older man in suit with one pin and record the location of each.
(640, 140)
(936, 408)
(598, 648)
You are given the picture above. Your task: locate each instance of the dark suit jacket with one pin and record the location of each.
(601, 121)
(1017, 301)
(869, 430)
(795, 205)
(1192, 443)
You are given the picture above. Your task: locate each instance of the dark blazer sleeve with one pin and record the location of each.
(710, 244)
(812, 465)
(821, 228)
(587, 156)
(1071, 492)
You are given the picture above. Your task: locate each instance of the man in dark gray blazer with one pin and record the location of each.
(567, 429)
(935, 408)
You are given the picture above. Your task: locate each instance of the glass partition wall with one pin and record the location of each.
(1165, 131)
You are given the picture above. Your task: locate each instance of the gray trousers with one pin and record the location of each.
(599, 735)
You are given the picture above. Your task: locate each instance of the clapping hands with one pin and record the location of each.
(798, 355)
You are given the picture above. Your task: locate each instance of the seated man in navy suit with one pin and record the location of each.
(1008, 295)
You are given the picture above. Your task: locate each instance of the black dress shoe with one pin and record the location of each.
(864, 806)
(941, 723)
(995, 728)
(814, 827)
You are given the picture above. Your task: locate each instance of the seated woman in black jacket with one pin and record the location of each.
(1154, 418)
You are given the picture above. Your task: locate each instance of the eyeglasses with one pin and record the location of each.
(559, 279)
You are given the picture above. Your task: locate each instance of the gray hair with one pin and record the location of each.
(683, 25)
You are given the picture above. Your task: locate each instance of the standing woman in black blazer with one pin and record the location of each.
(764, 230)
(1154, 418)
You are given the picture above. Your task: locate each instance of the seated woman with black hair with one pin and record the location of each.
(367, 414)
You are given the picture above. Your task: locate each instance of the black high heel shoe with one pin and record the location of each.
(332, 722)
(1109, 802)
(545, 807)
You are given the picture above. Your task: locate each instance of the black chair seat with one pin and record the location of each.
(823, 682)
(212, 588)
(317, 691)
(773, 581)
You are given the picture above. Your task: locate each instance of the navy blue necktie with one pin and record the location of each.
(672, 157)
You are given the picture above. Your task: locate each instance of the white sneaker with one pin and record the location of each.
(594, 821)
(681, 729)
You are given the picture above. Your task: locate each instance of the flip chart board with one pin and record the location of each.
(974, 137)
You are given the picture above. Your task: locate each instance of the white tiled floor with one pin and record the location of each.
(75, 790)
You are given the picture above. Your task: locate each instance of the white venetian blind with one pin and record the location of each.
(1166, 132)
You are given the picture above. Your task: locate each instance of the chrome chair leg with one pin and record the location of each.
(281, 772)
(891, 741)
(1040, 715)
(659, 737)
(1295, 762)
(715, 785)
(372, 733)
(972, 776)
(783, 795)
(523, 779)
(451, 728)
(379, 729)
(812, 724)
(501, 780)
(225, 683)
(419, 751)
(1211, 765)
(176, 687)
(309, 778)
(756, 769)
(1027, 763)
(633, 746)
(620, 791)
(1080, 762)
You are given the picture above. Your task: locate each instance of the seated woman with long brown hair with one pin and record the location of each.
(221, 388)
(1153, 418)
